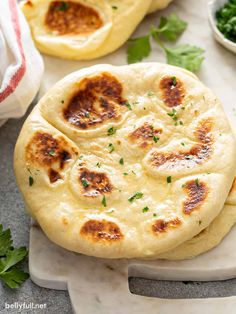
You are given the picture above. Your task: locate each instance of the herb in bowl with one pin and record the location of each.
(226, 20)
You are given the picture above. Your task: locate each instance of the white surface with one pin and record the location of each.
(100, 286)
(213, 6)
(92, 286)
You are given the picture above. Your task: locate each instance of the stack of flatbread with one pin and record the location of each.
(129, 162)
(85, 29)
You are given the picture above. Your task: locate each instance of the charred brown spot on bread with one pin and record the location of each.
(98, 99)
(65, 221)
(45, 150)
(197, 193)
(144, 135)
(102, 230)
(203, 129)
(53, 175)
(196, 155)
(68, 17)
(94, 183)
(29, 3)
(161, 225)
(173, 92)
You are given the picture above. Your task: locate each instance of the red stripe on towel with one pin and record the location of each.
(17, 77)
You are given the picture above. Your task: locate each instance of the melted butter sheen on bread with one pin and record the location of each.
(126, 162)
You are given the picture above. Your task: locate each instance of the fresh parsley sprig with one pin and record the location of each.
(12, 276)
(170, 28)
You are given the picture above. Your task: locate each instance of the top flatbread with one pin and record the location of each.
(158, 5)
(82, 29)
(125, 161)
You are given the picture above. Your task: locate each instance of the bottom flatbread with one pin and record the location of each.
(209, 237)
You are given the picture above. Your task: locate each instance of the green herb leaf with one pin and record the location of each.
(111, 131)
(9, 257)
(136, 196)
(128, 105)
(14, 277)
(31, 180)
(125, 174)
(122, 161)
(145, 209)
(197, 182)
(169, 179)
(5, 241)
(104, 201)
(139, 48)
(154, 215)
(174, 80)
(84, 182)
(114, 7)
(63, 6)
(111, 148)
(171, 27)
(98, 164)
(185, 56)
(155, 139)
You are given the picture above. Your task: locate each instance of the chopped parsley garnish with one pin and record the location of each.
(122, 161)
(51, 153)
(145, 209)
(226, 20)
(169, 179)
(197, 182)
(136, 196)
(111, 148)
(173, 114)
(63, 6)
(111, 131)
(188, 157)
(183, 185)
(199, 222)
(114, 7)
(31, 180)
(174, 80)
(98, 164)
(125, 174)
(128, 105)
(11, 275)
(87, 115)
(84, 182)
(150, 94)
(183, 144)
(62, 101)
(104, 201)
(155, 139)
(133, 172)
(154, 215)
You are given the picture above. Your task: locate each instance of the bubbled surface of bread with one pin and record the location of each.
(140, 154)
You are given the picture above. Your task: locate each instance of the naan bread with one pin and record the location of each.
(158, 5)
(82, 29)
(125, 161)
(208, 238)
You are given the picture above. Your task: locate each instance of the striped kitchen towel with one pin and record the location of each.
(21, 66)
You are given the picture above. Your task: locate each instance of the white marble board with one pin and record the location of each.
(101, 286)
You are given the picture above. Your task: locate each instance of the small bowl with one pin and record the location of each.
(213, 6)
